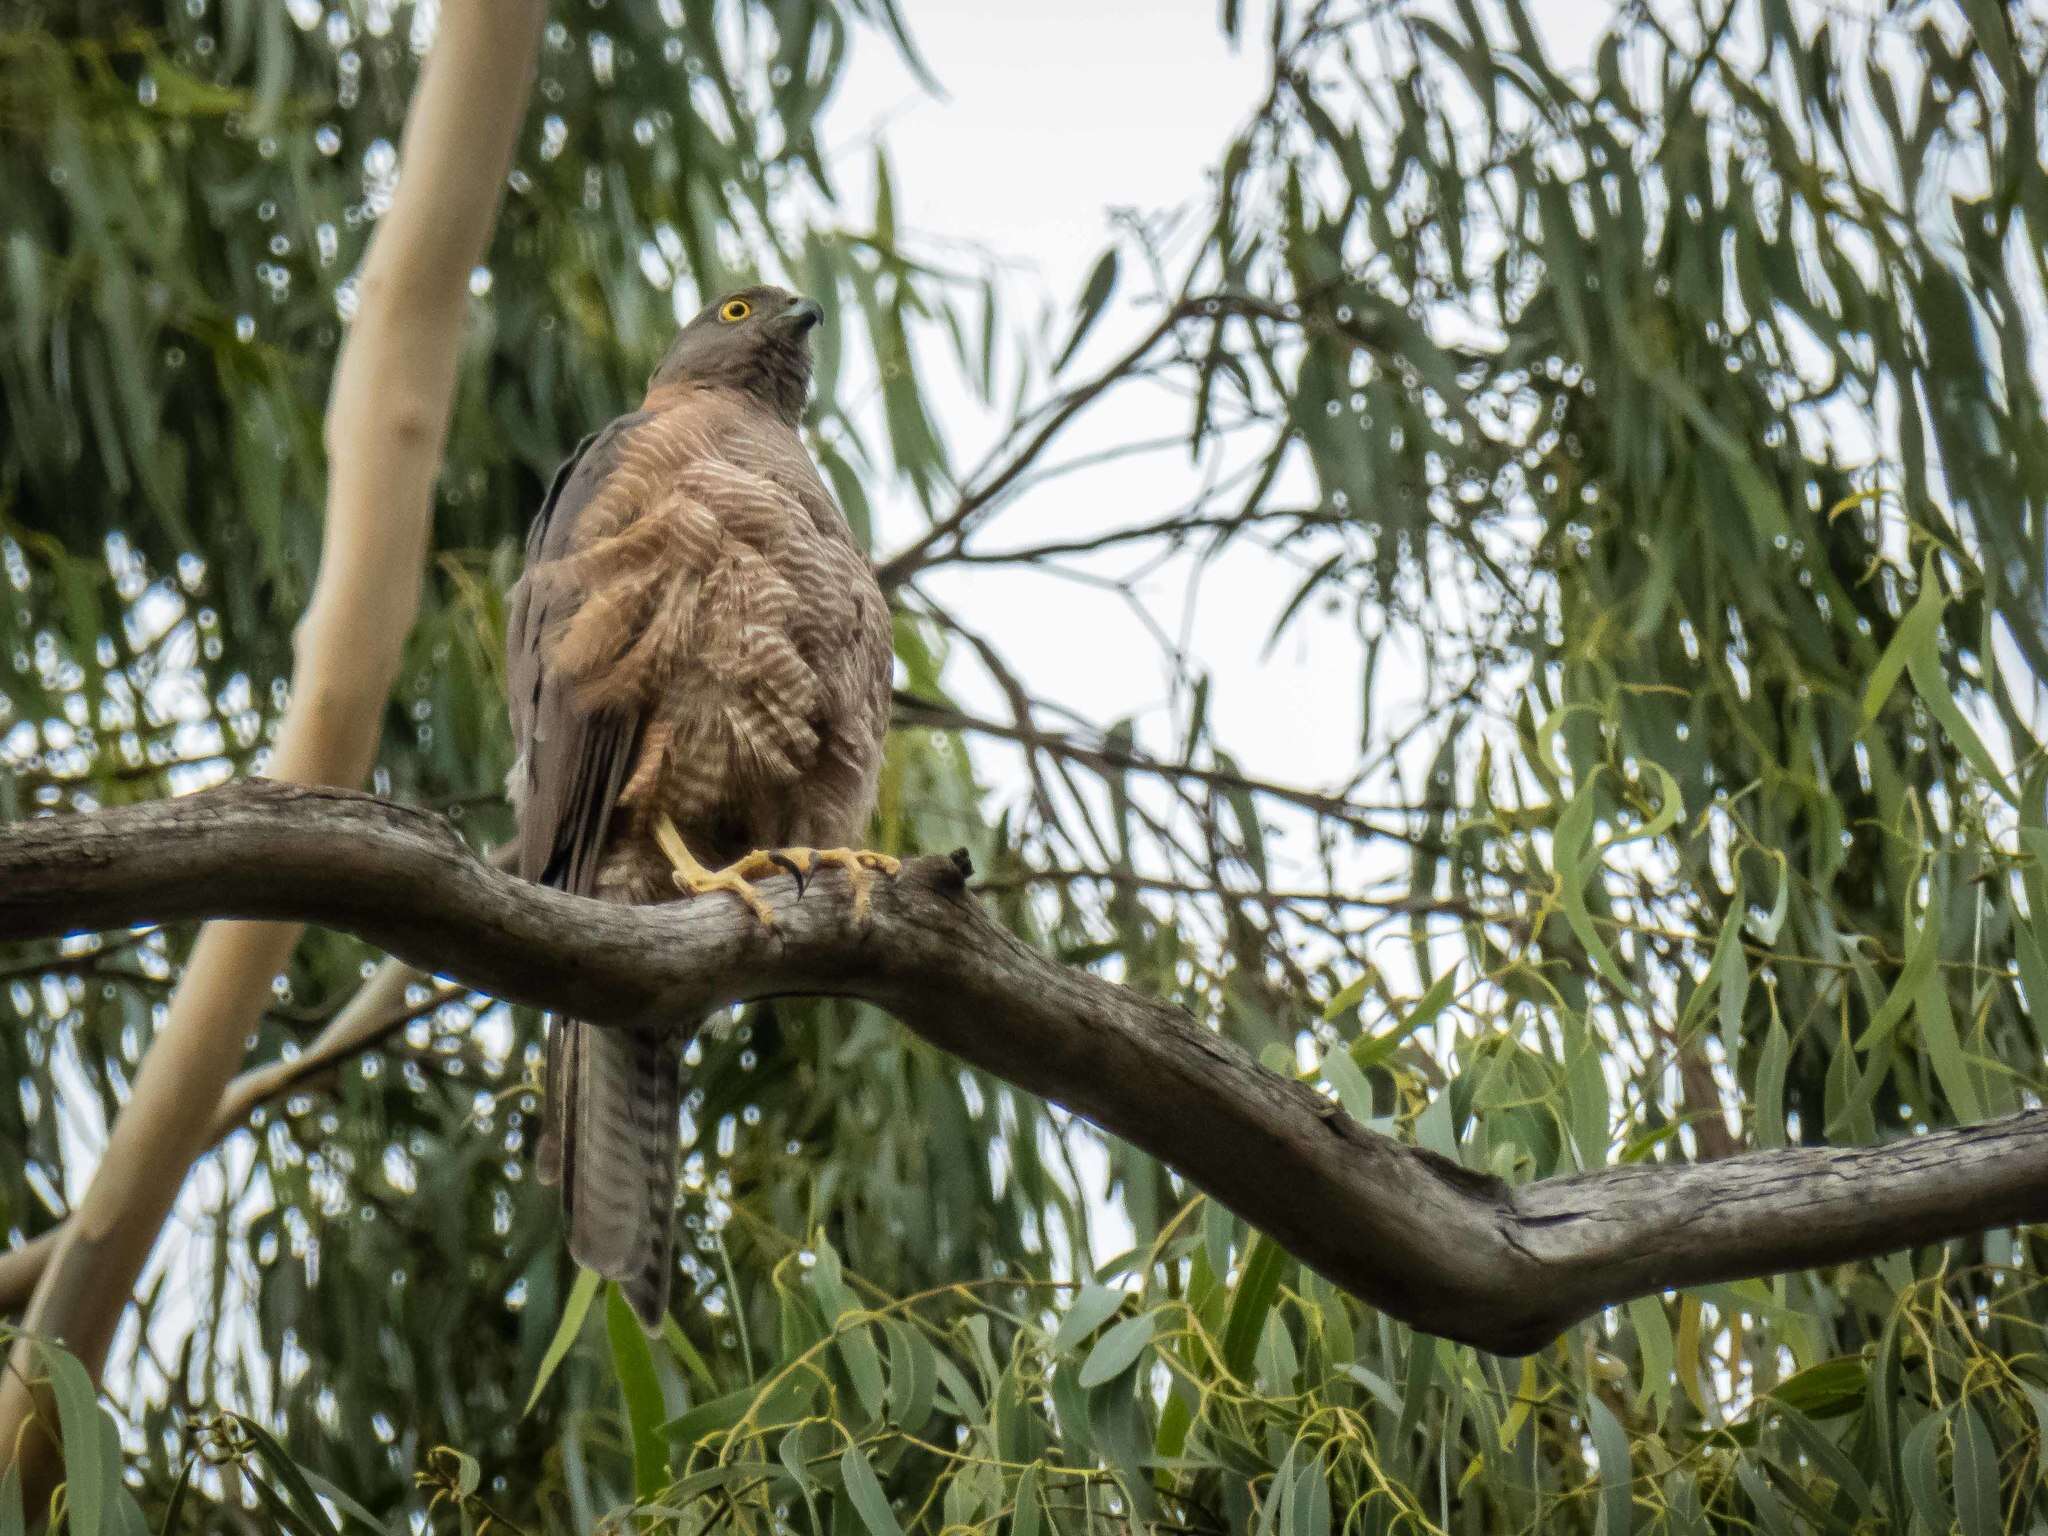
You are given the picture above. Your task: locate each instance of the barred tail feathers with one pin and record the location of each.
(612, 1144)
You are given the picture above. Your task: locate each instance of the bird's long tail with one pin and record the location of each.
(612, 1139)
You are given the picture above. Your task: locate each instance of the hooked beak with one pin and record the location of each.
(803, 314)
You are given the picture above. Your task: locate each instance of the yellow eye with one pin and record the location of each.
(735, 310)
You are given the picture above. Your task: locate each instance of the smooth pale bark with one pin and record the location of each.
(386, 422)
(1447, 1249)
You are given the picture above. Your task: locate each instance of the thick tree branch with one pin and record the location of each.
(376, 1010)
(1449, 1250)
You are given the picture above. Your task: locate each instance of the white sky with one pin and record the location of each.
(1053, 115)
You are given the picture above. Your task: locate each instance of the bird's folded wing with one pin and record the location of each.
(573, 761)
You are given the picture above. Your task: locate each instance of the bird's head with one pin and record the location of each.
(753, 339)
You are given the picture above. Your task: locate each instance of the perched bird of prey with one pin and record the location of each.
(698, 662)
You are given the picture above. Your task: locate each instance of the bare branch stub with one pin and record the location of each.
(1447, 1249)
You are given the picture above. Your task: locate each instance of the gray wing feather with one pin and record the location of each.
(620, 1145)
(613, 1096)
(572, 762)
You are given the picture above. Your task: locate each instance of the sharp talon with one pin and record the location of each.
(784, 861)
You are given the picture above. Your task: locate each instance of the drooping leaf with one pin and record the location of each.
(869, 1502)
(1095, 296)
(633, 1365)
(566, 1332)
(1117, 1350)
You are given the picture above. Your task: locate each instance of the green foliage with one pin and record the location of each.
(1667, 438)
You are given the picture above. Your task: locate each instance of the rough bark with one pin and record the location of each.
(385, 425)
(1448, 1249)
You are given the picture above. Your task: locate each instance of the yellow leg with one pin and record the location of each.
(860, 865)
(694, 878)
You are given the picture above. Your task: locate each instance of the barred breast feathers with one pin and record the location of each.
(722, 599)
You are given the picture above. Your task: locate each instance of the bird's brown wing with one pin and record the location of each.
(573, 762)
(736, 616)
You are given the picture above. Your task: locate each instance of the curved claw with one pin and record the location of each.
(784, 862)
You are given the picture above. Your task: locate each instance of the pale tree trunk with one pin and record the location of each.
(386, 424)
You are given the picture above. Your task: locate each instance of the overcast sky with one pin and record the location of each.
(1056, 111)
(1053, 115)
